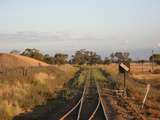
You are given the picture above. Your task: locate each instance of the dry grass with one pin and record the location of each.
(21, 92)
(144, 76)
(136, 86)
(137, 68)
(26, 83)
(54, 108)
(111, 68)
(69, 69)
(10, 61)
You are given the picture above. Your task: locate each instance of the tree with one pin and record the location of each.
(142, 63)
(120, 56)
(81, 57)
(33, 53)
(107, 60)
(155, 58)
(94, 58)
(48, 59)
(17, 52)
(60, 58)
(86, 57)
(126, 56)
(112, 57)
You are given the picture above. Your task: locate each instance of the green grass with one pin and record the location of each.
(98, 75)
(103, 78)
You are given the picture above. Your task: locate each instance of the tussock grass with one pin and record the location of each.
(62, 96)
(20, 90)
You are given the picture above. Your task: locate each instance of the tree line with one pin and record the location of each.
(80, 57)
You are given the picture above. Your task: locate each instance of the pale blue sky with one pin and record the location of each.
(67, 25)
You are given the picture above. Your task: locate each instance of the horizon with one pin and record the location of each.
(134, 55)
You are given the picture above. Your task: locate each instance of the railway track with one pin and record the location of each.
(95, 105)
(89, 107)
(109, 112)
(116, 106)
(90, 100)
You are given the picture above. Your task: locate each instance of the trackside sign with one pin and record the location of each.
(124, 67)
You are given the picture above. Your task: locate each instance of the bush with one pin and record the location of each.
(156, 71)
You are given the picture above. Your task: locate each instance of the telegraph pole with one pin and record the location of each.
(152, 61)
(124, 80)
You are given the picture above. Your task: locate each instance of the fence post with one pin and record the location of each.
(145, 97)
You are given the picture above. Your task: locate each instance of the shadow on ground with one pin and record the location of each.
(54, 108)
(49, 111)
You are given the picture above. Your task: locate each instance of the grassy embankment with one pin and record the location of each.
(23, 89)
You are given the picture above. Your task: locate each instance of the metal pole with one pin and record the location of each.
(152, 60)
(124, 80)
(124, 83)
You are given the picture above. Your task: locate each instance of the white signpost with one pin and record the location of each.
(145, 97)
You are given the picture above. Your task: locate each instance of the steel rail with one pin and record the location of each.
(92, 116)
(81, 102)
(105, 114)
(96, 109)
(99, 102)
(70, 111)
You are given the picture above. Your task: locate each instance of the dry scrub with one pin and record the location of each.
(21, 90)
(136, 88)
(10, 61)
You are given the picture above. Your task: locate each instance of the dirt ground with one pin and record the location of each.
(136, 83)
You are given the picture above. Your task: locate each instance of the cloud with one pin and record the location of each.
(69, 41)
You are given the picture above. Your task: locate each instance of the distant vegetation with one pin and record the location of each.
(80, 57)
(86, 57)
(33, 53)
(155, 58)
